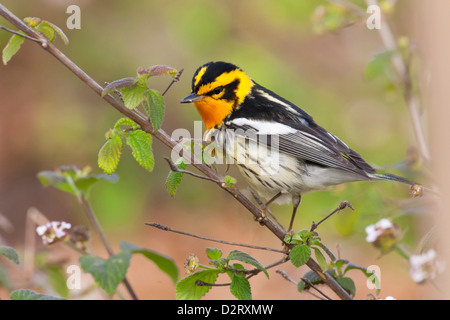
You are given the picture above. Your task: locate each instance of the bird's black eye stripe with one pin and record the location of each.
(217, 90)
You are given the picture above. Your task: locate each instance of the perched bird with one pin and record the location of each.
(279, 149)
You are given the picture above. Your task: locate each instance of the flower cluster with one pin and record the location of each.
(384, 235)
(53, 231)
(191, 264)
(425, 266)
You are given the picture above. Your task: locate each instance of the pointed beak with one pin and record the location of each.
(191, 98)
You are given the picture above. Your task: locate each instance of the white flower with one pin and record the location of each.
(384, 235)
(375, 230)
(425, 266)
(53, 231)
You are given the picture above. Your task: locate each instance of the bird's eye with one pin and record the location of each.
(217, 90)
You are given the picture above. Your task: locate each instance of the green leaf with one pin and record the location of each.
(47, 30)
(161, 70)
(379, 64)
(11, 48)
(187, 289)
(32, 21)
(163, 262)
(213, 253)
(244, 257)
(56, 278)
(26, 294)
(372, 276)
(174, 178)
(9, 253)
(301, 285)
(58, 30)
(141, 144)
(107, 273)
(313, 278)
(320, 259)
(125, 122)
(119, 84)
(240, 286)
(347, 284)
(109, 154)
(132, 97)
(230, 182)
(300, 254)
(154, 108)
(73, 180)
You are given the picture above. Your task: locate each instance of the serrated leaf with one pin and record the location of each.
(240, 287)
(187, 289)
(119, 84)
(141, 145)
(125, 122)
(11, 48)
(347, 284)
(47, 30)
(245, 257)
(213, 253)
(300, 254)
(164, 263)
(27, 294)
(107, 273)
(9, 253)
(155, 108)
(132, 97)
(109, 154)
(174, 178)
(320, 259)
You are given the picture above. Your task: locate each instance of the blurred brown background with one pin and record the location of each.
(49, 118)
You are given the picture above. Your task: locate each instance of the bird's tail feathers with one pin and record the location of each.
(390, 177)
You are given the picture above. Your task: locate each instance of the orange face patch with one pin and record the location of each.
(213, 111)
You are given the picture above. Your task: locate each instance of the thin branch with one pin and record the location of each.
(166, 228)
(173, 167)
(20, 34)
(261, 203)
(96, 226)
(175, 79)
(250, 273)
(286, 276)
(402, 70)
(162, 136)
(342, 206)
(308, 283)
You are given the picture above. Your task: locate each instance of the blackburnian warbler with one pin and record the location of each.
(278, 147)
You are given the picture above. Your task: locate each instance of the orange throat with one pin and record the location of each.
(212, 111)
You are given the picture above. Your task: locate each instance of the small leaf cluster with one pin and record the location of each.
(46, 28)
(108, 273)
(134, 92)
(307, 241)
(138, 140)
(197, 284)
(73, 180)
